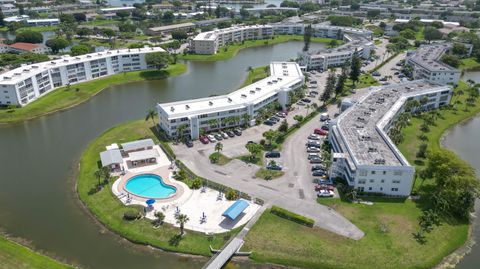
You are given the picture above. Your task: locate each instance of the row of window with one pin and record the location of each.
(364, 181)
(365, 173)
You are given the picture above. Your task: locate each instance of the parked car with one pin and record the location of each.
(376, 74)
(300, 103)
(237, 132)
(272, 154)
(211, 138)
(396, 73)
(316, 160)
(325, 193)
(313, 156)
(274, 167)
(313, 150)
(319, 187)
(318, 173)
(318, 167)
(281, 114)
(313, 145)
(189, 143)
(313, 142)
(325, 182)
(313, 82)
(204, 139)
(218, 137)
(224, 135)
(320, 132)
(324, 117)
(314, 137)
(250, 142)
(306, 100)
(313, 92)
(383, 79)
(273, 118)
(230, 133)
(269, 122)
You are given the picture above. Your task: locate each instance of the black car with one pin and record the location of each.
(218, 137)
(269, 122)
(318, 173)
(189, 143)
(318, 167)
(313, 145)
(306, 100)
(272, 154)
(324, 127)
(230, 133)
(237, 132)
(273, 118)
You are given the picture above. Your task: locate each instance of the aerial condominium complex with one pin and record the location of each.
(363, 153)
(357, 42)
(236, 108)
(25, 84)
(209, 42)
(426, 63)
(325, 58)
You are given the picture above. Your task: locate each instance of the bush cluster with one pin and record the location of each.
(283, 213)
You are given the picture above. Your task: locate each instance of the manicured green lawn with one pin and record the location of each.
(37, 29)
(13, 255)
(388, 241)
(108, 210)
(449, 118)
(101, 22)
(365, 80)
(233, 49)
(63, 98)
(419, 36)
(256, 74)
(469, 64)
(265, 173)
(222, 159)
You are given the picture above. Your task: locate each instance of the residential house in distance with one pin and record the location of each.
(28, 47)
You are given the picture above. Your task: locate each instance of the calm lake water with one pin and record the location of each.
(463, 140)
(38, 158)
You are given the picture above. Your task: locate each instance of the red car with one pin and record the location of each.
(324, 187)
(319, 131)
(203, 139)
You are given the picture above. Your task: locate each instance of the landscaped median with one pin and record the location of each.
(228, 52)
(110, 211)
(14, 255)
(66, 97)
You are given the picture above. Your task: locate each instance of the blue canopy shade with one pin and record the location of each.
(236, 209)
(150, 202)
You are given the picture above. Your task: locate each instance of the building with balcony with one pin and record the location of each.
(25, 84)
(426, 64)
(209, 42)
(362, 152)
(236, 108)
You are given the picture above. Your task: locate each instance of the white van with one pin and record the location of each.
(324, 117)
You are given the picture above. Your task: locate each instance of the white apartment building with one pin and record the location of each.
(197, 114)
(362, 152)
(209, 42)
(25, 84)
(326, 58)
(426, 63)
(43, 22)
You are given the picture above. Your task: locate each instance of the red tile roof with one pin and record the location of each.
(24, 46)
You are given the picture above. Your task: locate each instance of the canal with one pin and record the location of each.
(38, 160)
(463, 140)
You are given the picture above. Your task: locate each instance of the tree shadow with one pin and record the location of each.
(154, 74)
(175, 240)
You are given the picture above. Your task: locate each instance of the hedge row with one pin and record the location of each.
(283, 213)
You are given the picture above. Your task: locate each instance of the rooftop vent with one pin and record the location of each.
(172, 109)
(187, 107)
(210, 103)
(34, 66)
(252, 91)
(229, 99)
(379, 161)
(372, 149)
(244, 96)
(279, 79)
(258, 88)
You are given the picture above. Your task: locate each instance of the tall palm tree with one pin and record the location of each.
(246, 118)
(98, 175)
(218, 147)
(151, 114)
(181, 131)
(181, 220)
(213, 123)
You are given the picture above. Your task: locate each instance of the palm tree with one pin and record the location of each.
(151, 114)
(181, 131)
(218, 147)
(98, 174)
(181, 220)
(246, 118)
(213, 123)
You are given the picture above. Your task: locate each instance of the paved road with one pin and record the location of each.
(386, 70)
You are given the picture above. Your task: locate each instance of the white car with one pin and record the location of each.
(313, 150)
(314, 137)
(224, 135)
(211, 138)
(281, 114)
(313, 142)
(325, 193)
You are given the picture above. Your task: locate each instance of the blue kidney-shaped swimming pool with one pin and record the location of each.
(149, 186)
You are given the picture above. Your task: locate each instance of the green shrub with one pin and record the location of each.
(214, 157)
(159, 218)
(131, 214)
(283, 213)
(231, 194)
(196, 184)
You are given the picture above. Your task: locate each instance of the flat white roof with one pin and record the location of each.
(110, 9)
(212, 35)
(43, 20)
(282, 75)
(143, 155)
(21, 73)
